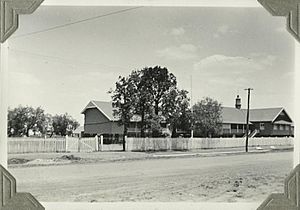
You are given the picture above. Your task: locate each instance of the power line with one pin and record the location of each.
(64, 60)
(76, 22)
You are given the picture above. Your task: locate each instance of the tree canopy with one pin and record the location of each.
(152, 94)
(176, 108)
(207, 117)
(64, 124)
(25, 119)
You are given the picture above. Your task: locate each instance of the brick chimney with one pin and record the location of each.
(238, 104)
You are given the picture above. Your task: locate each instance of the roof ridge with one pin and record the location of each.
(268, 108)
(253, 108)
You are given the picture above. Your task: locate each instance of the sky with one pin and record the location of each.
(214, 52)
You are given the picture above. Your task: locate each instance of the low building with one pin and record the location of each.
(78, 132)
(100, 120)
(263, 122)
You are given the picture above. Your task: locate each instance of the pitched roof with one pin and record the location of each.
(103, 106)
(267, 114)
(229, 114)
(107, 109)
(79, 129)
(233, 115)
(238, 116)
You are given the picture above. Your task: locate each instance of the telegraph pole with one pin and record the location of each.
(192, 123)
(247, 120)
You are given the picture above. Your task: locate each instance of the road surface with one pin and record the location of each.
(234, 178)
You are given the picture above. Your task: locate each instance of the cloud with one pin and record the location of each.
(177, 31)
(223, 30)
(233, 71)
(264, 58)
(181, 52)
(231, 63)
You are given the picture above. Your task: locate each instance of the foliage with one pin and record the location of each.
(123, 100)
(176, 109)
(64, 124)
(207, 117)
(25, 118)
(146, 93)
(156, 82)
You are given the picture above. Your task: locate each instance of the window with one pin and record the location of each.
(262, 126)
(287, 127)
(275, 127)
(281, 127)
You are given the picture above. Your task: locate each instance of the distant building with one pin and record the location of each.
(263, 122)
(78, 132)
(99, 119)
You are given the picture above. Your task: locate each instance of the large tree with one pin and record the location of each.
(156, 82)
(144, 93)
(64, 124)
(124, 100)
(207, 117)
(176, 109)
(25, 118)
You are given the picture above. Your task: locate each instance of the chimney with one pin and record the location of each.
(238, 104)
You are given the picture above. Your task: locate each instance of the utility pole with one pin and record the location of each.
(247, 120)
(192, 123)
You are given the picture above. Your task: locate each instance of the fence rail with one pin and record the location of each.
(64, 144)
(31, 145)
(71, 144)
(161, 144)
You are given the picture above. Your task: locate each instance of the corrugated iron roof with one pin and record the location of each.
(107, 109)
(266, 114)
(233, 115)
(229, 114)
(79, 129)
(238, 116)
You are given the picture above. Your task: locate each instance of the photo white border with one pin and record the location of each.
(175, 205)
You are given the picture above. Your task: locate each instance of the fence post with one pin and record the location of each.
(55, 144)
(67, 143)
(97, 143)
(78, 144)
(101, 142)
(126, 144)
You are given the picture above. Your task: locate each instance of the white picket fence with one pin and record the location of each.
(71, 144)
(160, 144)
(81, 144)
(35, 145)
(65, 144)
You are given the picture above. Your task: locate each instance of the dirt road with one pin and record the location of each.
(224, 178)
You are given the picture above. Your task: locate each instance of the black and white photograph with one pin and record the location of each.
(151, 104)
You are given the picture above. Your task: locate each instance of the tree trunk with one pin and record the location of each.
(174, 133)
(124, 137)
(156, 107)
(27, 132)
(143, 125)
